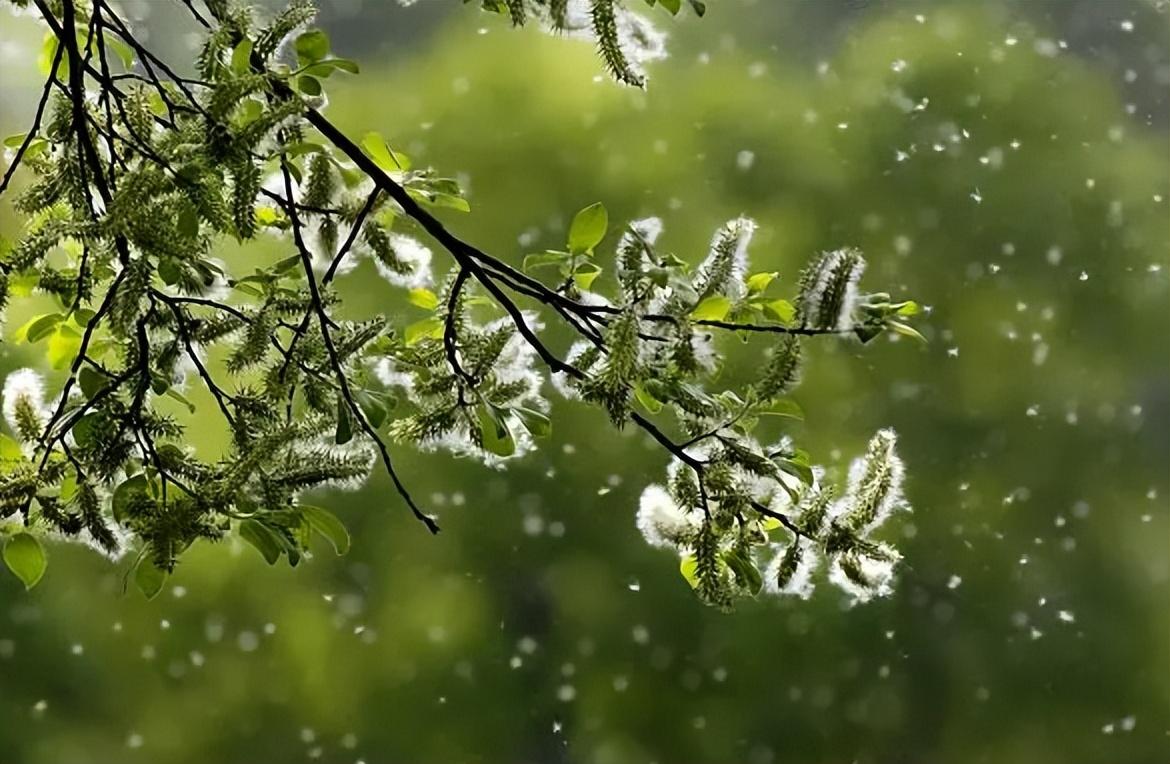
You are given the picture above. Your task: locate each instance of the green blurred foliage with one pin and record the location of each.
(1029, 210)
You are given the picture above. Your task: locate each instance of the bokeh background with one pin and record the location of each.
(1006, 163)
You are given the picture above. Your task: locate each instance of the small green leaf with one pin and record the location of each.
(25, 557)
(374, 406)
(43, 326)
(242, 57)
(714, 308)
(125, 494)
(423, 298)
(798, 468)
(906, 331)
(585, 275)
(262, 538)
(122, 50)
(545, 259)
(376, 147)
(312, 46)
(758, 282)
(327, 66)
(497, 438)
(539, 425)
(149, 578)
(309, 85)
(906, 309)
(785, 407)
(428, 328)
(344, 433)
(10, 450)
(746, 573)
(174, 394)
(782, 310)
(450, 201)
(688, 566)
(326, 523)
(90, 381)
(588, 228)
(63, 346)
(646, 400)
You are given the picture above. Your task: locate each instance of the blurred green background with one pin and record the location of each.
(1005, 162)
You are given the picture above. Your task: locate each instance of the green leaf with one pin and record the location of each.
(25, 557)
(10, 450)
(174, 394)
(149, 578)
(688, 566)
(91, 381)
(169, 271)
(263, 538)
(327, 66)
(588, 228)
(312, 46)
(423, 298)
(47, 53)
(746, 573)
(497, 438)
(798, 468)
(539, 425)
(906, 331)
(647, 401)
(42, 327)
(326, 523)
(758, 282)
(714, 308)
(63, 346)
(428, 328)
(450, 201)
(126, 492)
(785, 407)
(585, 275)
(374, 406)
(242, 57)
(782, 310)
(309, 85)
(344, 432)
(906, 309)
(122, 50)
(545, 259)
(377, 149)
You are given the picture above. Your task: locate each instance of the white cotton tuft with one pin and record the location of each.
(388, 373)
(800, 584)
(877, 574)
(517, 362)
(639, 39)
(663, 523)
(874, 489)
(415, 256)
(649, 229)
(719, 274)
(561, 381)
(825, 288)
(24, 391)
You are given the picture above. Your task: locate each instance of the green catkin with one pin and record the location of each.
(603, 14)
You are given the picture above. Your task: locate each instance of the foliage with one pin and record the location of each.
(141, 175)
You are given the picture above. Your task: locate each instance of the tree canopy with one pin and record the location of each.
(142, 172)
